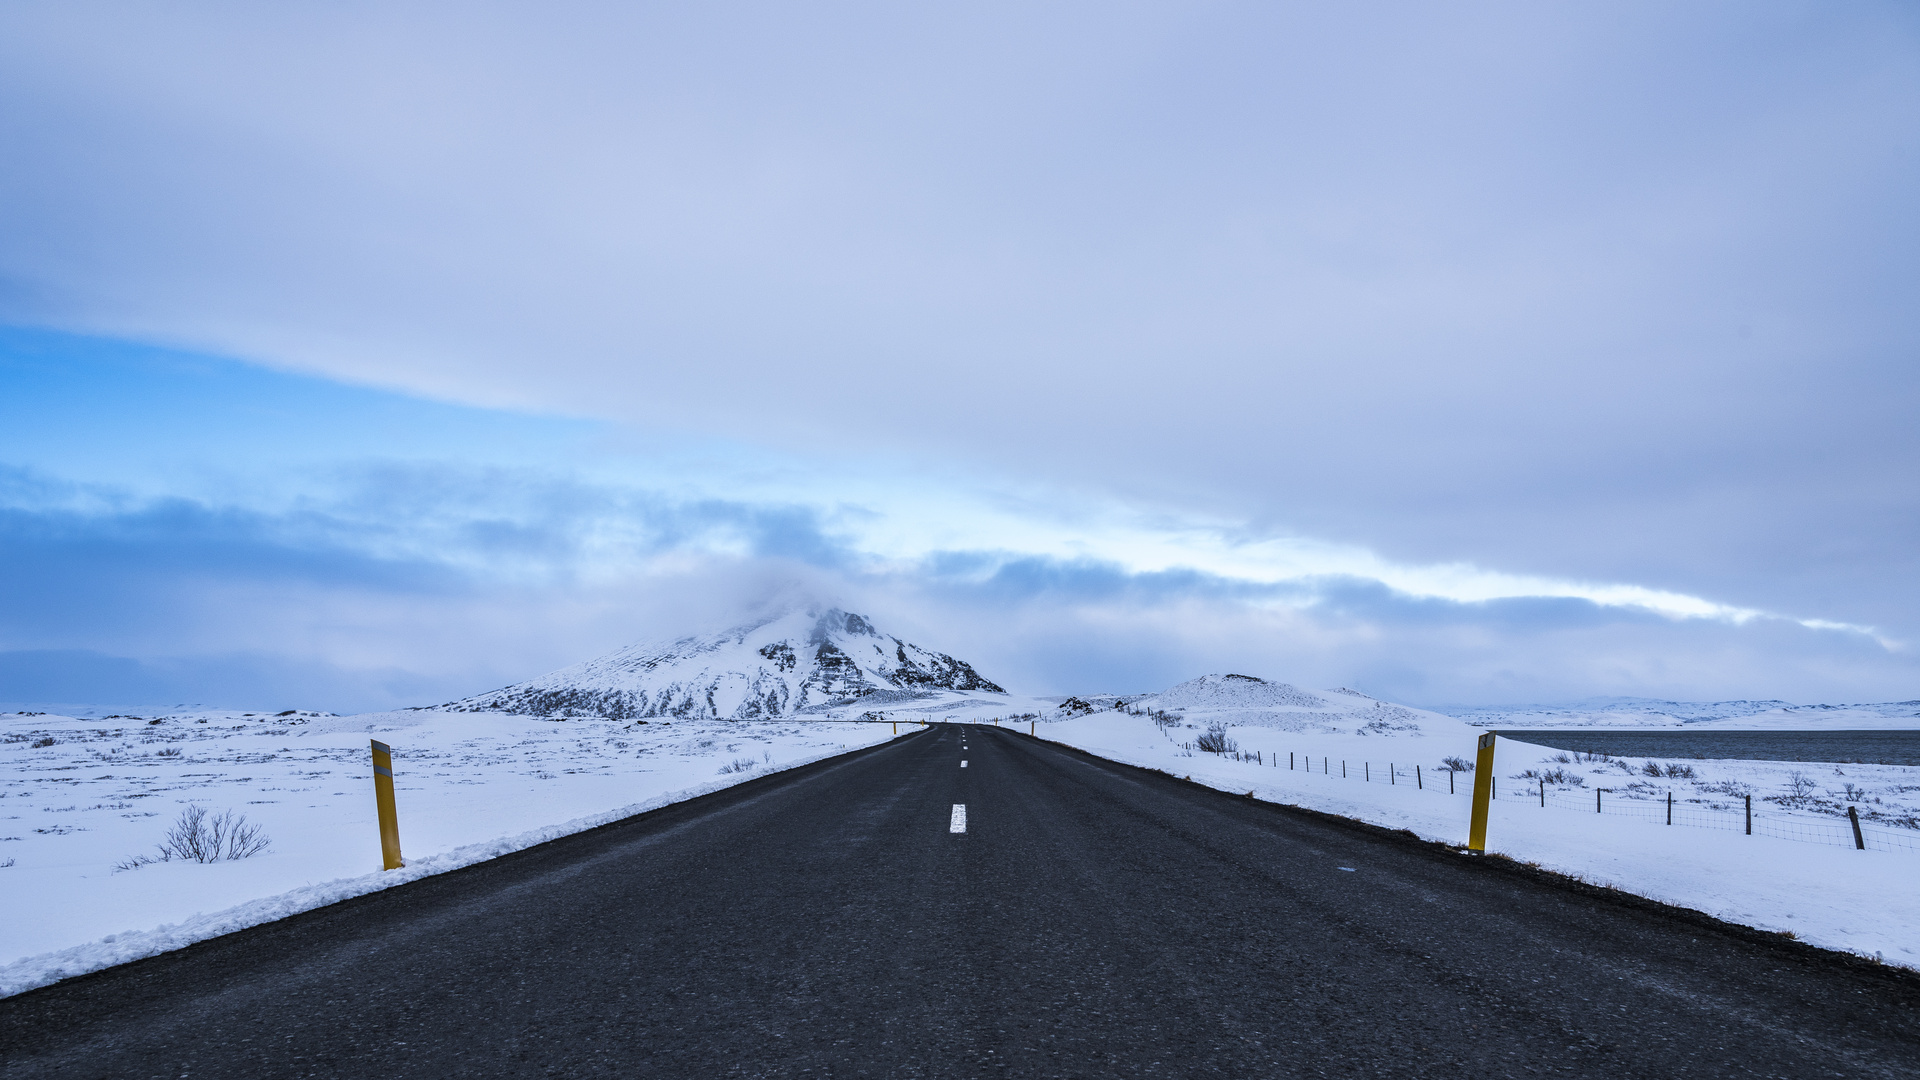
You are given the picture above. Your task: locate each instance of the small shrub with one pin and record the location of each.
(40, 744)
(171, 751)
(1215, 741)
(205, 838)
(1799, 786)
(1456, 764)
(1854, 793)
(1671, 772)
(1553, 776)
(739, 765)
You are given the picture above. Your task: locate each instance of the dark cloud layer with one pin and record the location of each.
(1617, 294)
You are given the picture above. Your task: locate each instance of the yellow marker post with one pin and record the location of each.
(383, 797)
(1482, 795)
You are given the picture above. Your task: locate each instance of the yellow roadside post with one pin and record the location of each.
(383, 797)
(1482, 795)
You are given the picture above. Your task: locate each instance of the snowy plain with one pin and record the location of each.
(81, 795)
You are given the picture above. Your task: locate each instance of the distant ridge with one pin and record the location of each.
(1655, 713)
(806, 660)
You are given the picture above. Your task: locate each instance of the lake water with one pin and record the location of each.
(1863, 747)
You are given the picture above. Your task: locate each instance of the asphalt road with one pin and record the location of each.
(1093, 920)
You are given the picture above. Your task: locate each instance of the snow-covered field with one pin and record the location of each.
(82, 795)
(1822, 892)
(85, 792)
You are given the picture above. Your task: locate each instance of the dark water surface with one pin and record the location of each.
(1864, 747)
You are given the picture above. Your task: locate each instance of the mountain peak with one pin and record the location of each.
(805, 659)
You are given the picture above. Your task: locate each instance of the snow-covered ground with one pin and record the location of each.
(85, 790)
(1823, 892)
(1707, 715)
(81, 795)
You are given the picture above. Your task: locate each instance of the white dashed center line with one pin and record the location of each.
(963, 763)
(959, 818)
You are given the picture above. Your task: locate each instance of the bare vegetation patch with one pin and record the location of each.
(205, 838)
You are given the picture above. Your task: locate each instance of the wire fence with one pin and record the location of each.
(1642, 801)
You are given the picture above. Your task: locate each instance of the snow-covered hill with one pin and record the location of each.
(805, 661)
(1731, 715)
(1248, 701)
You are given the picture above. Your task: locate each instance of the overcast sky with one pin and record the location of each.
(368, 354)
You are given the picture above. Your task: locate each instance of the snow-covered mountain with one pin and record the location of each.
(1246, 700)
(804, 661)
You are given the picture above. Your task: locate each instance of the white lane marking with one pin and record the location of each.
(963, 763)
(959, 823)
(1348, 869)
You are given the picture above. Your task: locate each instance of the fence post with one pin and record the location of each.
(1450, 790)
(1596, 800)
(1390, 780)
(383, 799)
(1418, 784)
(1289, 761)
(1859, 841)
(1343, 768)
(1482, 795)
(1749, 815)
(1669, 807)
(1543, 793)
(1367, 771)
(1030, 725)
